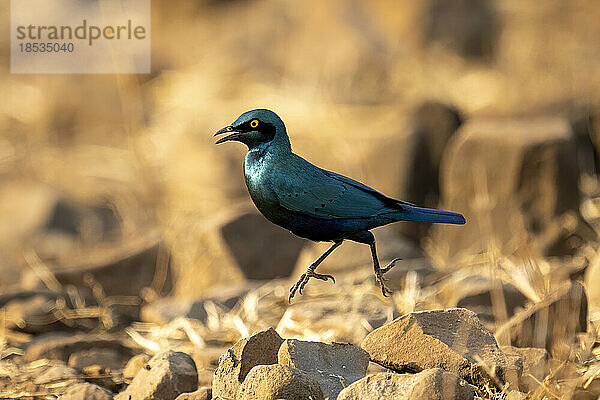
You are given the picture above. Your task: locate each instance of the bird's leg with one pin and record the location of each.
(379, 271)
(310, 272)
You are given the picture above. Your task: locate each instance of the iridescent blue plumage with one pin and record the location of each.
(311, 202)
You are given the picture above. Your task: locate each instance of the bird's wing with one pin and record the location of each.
(307, 189)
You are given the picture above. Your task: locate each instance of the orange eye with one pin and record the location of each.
(254, 123)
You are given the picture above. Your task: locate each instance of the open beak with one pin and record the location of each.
(233, 134)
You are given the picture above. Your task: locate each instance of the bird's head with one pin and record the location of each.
(255, 128)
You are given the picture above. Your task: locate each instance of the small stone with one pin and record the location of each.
(204, 393)
(431, 384)
(259, 349)
(335, 366)
(134, 365)
(515, 395)
(273, 382)
(165, 377)
(86, 391)
(454, 340)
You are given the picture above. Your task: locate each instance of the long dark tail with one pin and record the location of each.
(414, 213)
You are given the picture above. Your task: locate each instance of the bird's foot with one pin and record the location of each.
(390, 265)
(380, 279)
(299, 286)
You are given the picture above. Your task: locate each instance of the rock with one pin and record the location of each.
(469, 28)
(107, 358)
(134, 365)
(259, 349)
(255, 242)
(515, 395)
(86, 391)
(139, 261)
(522, 171)
(89, 222)
(165, 377)
(60, 348)
(334, 366)
(592, 277)
(200, 394)
(493, 302)
(55, 374)
(273, 382)
(453, 339)
(431, 384)
(535, 366)
(551, 322)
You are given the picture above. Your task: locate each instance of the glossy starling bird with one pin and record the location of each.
(314, 203)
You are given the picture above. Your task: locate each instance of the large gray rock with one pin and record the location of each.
(454, 340)
(274, 382)
(334, 365)
(165, 377)
(510, 178)
(259, 349)
(551, 322)
(431, 384)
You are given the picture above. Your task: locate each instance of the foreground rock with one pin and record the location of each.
(431, 384)
(454, 340)
(165, 377)
(259, 349)
(334, 366)
(273, 382)
(86, 391)
(550, 323)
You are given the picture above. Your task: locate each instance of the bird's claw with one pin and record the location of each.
(381, 281)
(390, 265)
(304, 278)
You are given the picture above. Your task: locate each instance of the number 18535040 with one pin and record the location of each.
(46, 47)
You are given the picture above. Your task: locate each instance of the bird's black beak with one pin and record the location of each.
(228, 129)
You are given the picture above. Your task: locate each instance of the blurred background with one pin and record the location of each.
(117, 207)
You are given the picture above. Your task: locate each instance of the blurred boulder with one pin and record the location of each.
(165, 377)
(107, 358)
(86, 391)
(273, 382)
(61, 348)
(492, 301)
(550, 323)
(261, 249)
(56, 373)
(516, 183)
(592, 286)
(453, 339)
(334, 366)
(535, 366)
(232, 248)
(430, 384)
(236, 363)
(88, 222)
(407, 164)
(468, 27)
